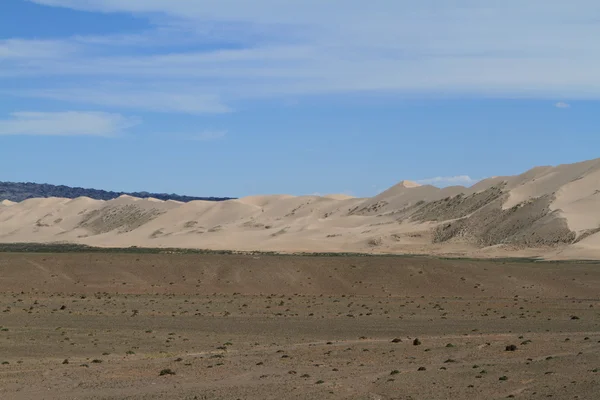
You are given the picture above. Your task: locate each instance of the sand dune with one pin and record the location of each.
(339, 196)
(552, 212)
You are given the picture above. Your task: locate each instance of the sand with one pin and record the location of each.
(104, 326)
(549, 212)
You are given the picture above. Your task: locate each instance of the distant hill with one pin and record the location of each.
(19, 191)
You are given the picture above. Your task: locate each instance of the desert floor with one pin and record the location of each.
(104, 326)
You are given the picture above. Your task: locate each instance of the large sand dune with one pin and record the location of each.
(552, 212)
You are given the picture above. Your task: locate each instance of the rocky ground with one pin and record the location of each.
(176, 326)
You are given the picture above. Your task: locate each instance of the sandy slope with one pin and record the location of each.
(552, 212)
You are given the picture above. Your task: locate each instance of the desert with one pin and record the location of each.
(98, 325)
(299, 200)
(417, 293)
(547, 212)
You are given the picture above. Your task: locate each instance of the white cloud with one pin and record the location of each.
(19, 49)
(442, 181)
(149, 97)
(413, 48)
(180, 33)
(208, 136)
(562, 104)
(69, 123)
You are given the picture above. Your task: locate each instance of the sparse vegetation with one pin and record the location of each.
(268, 300)
(166, 371)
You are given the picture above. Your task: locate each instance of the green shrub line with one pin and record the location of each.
(81, 248)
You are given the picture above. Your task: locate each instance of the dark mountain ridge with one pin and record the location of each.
(19, 191)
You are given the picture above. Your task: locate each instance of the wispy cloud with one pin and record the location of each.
(69, 123)
(168, 99)
(27, 49)
(562, 104)
(411, 48)
(442, 181)
(207, 136)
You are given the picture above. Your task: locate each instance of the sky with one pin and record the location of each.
(236, 97)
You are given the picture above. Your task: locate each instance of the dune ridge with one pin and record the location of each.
(549, 212)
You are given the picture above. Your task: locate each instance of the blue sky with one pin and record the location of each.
(233, 98)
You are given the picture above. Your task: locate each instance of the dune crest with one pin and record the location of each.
(552, 212)
(409, 184)
(339, 196)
